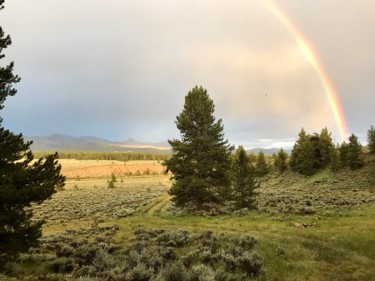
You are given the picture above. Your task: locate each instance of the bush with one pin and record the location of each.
(247, 242)
(174, 272)
(250, 263)
(202, 273)
(139, 273)
(61, 265)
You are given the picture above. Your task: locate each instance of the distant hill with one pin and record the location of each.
(59, 142)
(268, 151)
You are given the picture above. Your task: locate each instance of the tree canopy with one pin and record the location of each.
(244, 181)
(311, 152)
(281, 161)
(351, 153)
(200, 162)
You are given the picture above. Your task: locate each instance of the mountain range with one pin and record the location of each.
(59, 142)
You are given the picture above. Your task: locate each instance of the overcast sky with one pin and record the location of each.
(120, 69)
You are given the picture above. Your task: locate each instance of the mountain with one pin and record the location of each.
(59, 142)
(268, 151)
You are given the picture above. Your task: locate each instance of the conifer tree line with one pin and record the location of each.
(205, 170)
(314, 152)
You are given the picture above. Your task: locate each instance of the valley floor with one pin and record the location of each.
(317, 228)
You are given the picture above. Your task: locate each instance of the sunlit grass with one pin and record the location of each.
(338, 243)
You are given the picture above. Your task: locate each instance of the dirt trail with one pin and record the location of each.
(158, 206)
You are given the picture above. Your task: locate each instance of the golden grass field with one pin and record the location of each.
(72, 168)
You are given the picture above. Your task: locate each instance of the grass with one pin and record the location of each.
(337, 248)
(338, 244)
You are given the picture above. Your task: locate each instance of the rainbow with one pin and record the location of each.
(313, 58)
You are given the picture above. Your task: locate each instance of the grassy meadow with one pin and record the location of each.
(306, 228)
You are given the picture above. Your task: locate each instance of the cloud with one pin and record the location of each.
(120, 69)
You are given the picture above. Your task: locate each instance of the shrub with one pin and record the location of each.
(174, 272)
(61, 265)
(139, 273)
(202, 273)
(247, 242)
(250, 263)
(64, 250)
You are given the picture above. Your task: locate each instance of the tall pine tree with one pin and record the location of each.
(22, 180)
(351, 153)
(261, 166)
(244, 182)
(355, 156)
(281, 161)
(302, 159)
(200, 162)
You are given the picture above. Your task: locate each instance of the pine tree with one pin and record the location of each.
(261, 166)
(303, 155)
(281, 161)
(355, 160)
(294, 157)
(351, 153)
(326, 145)
(344, 154)
(311, 152)
(335, 162)
(22, 181)
(371, 139)
(200, 161)
(244, 182)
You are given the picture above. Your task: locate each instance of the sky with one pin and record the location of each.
(121, 69)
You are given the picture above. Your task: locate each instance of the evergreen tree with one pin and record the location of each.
(371, 139)
(311, 152)
(200, 161)
(303, 155)
(252, 157)
(281, 161)
(351, 153)
(325, 145)
(261, 166)
(295, 157)
(335, 161)
(244, 182)
(344, 154)
(22, 180)
(355, 160)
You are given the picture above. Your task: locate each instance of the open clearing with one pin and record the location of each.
(317, 228)
(104, 168)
